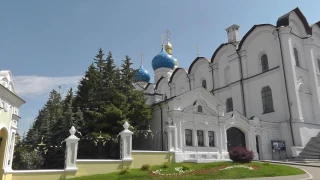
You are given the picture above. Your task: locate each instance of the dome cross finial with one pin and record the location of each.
(198, 53)
(141, 62)
(168, 35)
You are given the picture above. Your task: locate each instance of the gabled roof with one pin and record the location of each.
(284, 20)
(217, 50)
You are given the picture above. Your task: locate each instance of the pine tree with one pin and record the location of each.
(99, 61)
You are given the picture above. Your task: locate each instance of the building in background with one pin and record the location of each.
(261, 88)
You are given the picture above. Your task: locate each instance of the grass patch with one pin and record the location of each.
(265, 170)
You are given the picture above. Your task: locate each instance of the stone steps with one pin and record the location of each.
(311, 150)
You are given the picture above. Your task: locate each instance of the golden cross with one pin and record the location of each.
(141, 58)
(168, 34)
(198, 50)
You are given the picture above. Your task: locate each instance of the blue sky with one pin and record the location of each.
(50, 43)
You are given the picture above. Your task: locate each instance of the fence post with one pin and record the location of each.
(126, 143)
(72, 149)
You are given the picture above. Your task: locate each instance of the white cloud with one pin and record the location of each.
(31, 86)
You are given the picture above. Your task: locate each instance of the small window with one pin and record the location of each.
(188, 134)
(200, 109)
(229, 105)
(264, 63)
(211, 138)
(204, 84)
(200, 138)
(318, 64)
(296, 56)
(267, 101)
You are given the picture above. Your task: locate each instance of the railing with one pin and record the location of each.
(150, 141)
(99, 148)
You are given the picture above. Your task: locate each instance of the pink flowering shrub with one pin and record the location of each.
(241, 155)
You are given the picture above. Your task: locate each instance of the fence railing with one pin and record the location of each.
(150, 141)
(99, 148)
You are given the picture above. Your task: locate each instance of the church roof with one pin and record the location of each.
(284, 20)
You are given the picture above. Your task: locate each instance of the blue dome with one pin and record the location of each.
(163, 60)
(142, 75)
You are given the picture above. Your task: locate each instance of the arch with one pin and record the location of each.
(217, 51)
(204, 83)
(267, 101)
(235, 138)
(4, 135)
(159, 87)
(264, 63)
(245, 39)
(200, 109)
(285, 20)
(196, 63)
(176, 73)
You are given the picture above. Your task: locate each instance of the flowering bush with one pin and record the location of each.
(241, 155)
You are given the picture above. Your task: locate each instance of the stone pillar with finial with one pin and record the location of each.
(72, 150)
(126, 143)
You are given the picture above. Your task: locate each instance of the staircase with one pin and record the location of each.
(311, 150)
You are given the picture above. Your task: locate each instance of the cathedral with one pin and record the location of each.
(252, 92)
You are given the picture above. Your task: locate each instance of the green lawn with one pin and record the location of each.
(265, 170)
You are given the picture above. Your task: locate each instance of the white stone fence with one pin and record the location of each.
(72, 147)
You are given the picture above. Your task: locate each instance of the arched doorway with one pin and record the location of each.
(235, 138)
(3, 142)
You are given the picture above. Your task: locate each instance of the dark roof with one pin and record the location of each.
(284, 20)
(158, 82)
(317, 23)
(250, 31)
(194, 61)
(147, 86)
(174, 72)
(217, 50)
(163, 101)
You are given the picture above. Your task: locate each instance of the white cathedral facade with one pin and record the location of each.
(263, 87)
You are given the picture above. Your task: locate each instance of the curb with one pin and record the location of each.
(289, 163)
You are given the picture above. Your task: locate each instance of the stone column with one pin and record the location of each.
(178, 134)
(172, 144)
(72, 149)
(126, 144)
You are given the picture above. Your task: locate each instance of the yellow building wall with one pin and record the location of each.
(5, 117)
(87, 168)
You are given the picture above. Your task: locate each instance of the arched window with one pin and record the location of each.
(204, 84)
(200, 109)
(318, 64)
(229, 105)
(296, 56)
(267, 101)
(264, 63)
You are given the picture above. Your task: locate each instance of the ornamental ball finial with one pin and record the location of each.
(72, 130)
(126, 125)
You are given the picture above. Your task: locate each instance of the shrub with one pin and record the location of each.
(186, 167)
(241, 155)
(165, 165)
(266, 164)
(145, 167)
(125, 170)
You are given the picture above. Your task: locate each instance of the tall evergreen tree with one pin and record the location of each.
(99, 61)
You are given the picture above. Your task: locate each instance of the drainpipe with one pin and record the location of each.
(161, 116)
(212, 79)
(286, 87)
(241, 84)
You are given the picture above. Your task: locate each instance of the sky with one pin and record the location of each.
(51, 43)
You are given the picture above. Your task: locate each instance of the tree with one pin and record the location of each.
(99, 61)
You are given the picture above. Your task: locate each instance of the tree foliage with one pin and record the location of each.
(105, 98)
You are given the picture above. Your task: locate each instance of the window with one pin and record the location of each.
(267, 101)
(188, 134)
(211, 138)
(318, 64)
(204, 84)
(200, 109)
(200, 138)
(296, 56)
(229, 105)
(264, 63)
(227, 75)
